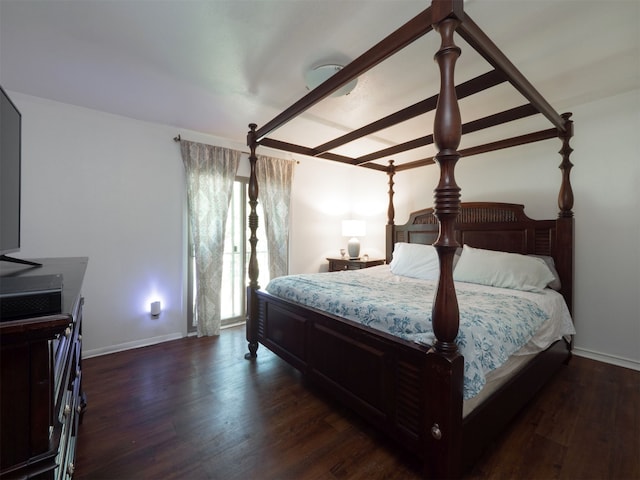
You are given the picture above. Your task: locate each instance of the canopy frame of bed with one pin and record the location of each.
(439, 437)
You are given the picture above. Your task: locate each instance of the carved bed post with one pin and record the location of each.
(445, 373)
(447, 132)
(252, 300)
(564, 223)
(565, 197)
(391, 213)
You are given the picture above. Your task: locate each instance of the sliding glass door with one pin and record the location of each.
(234, 261)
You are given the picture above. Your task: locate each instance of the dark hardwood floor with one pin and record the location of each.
(195, 409)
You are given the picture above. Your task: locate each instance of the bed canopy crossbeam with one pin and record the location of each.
(500, 118)
(496, 119)
(400, 38)
(481, 43)
(474, 126)
(471, 87)
(504, 71)
(486, 148)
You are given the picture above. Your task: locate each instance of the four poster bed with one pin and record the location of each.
(411, 381)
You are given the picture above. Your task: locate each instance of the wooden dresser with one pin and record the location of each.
(338, 264)
(41, 398)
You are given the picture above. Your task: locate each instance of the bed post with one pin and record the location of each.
(444, 420)
(565, 197)
(391, 213)
(252, 299)
(447, 131)
(564, 223)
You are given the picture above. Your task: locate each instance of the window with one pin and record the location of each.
(235, 260)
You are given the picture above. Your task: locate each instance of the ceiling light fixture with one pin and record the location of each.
(320, 74)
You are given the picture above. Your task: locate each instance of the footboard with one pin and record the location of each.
(409, 391)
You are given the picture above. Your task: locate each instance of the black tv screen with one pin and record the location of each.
(10, 151)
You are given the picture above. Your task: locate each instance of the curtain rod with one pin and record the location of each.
(178, 139)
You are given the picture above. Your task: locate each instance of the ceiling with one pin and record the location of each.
(215, 66)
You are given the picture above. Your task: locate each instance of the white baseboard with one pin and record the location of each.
(606, 358)
(580, 352)
(130, 345)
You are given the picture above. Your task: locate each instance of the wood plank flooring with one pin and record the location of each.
(196, 409)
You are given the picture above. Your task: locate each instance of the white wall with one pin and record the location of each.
(111, 188)
(607, 180)
(324, 193)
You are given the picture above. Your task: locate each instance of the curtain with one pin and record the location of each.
(275, 177)
(210, 173)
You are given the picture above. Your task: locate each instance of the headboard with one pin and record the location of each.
(497, 226)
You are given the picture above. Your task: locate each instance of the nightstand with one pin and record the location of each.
(339, 264)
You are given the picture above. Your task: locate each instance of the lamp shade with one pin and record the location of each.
(353, 228)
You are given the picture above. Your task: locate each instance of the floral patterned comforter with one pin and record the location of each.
(494, 322)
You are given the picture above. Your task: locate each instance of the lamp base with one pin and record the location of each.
(354, 248)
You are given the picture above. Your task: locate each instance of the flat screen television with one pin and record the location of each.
(10, 153)
(10, 178)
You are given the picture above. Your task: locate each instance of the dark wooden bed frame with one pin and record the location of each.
(410, 391)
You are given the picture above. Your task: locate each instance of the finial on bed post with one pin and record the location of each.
(447, 133)
(252, 300)
(565, 197)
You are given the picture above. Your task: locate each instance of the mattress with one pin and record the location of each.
(495, 323)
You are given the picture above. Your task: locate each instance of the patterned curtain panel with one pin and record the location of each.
(275, 177)
(211, 172)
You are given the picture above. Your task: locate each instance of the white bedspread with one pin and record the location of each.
(495, 323)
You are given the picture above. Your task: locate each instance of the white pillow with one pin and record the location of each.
(501, 269)
(415, 260)
(555, 284)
